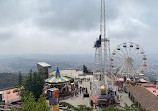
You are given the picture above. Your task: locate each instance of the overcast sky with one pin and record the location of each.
(72, 26)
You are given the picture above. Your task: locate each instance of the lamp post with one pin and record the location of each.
(8, 92)
(7, 100)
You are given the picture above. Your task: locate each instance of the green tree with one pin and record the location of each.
(42, 104)
(20, 79)
(85, 69)
(113, 108)
(69, 107)
(34, 83)
(8, 80)
(84, 108)
(130, 108)
(30, 104)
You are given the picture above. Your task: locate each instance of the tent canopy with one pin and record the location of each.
(57, 78)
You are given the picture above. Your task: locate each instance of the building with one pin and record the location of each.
(9, 98)
(9, 95)
(43, 66)
(1, 96)
(144, 96)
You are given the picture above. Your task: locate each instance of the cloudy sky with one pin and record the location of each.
(72, 26)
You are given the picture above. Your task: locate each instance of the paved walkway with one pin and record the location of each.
(79, 100)
(123, 97)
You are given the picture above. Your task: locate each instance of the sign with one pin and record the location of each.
(53, 93)
(53, 101)
(56, 107)
(56, 94)
(103, 91)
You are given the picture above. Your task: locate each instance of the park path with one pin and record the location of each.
(79, 100)
(123, 97)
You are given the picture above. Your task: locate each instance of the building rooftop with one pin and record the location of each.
(142, 80)
(10, 95)
(153, 90)
(43, 64)
(1, 92)
(147, 99)
(69, 73)
(148, 85)
(120, 79)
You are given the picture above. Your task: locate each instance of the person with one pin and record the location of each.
(86, 90)
(120, 97)
(72, 96)
(83, 89)
(80, 90)
(75, 93)
(77, 84)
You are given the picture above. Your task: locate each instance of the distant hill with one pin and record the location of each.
(24, 63)
(8, 80)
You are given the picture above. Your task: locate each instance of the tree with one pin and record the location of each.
(20, 79)
(8, 80)
(42, 104)
(85, 69)
(34, 83)
(69, 107)
(84, 108)
(130, 108)
(113, 108)
(30, 104)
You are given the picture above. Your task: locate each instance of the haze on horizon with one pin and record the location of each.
(72, 26)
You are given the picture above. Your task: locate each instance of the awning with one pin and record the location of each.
(57, 78)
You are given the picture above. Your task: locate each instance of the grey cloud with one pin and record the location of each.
(47, 20)
(73, 15)
(128, 28)
(13, 12)
(58, 14)
(5, 36)
(69, 15)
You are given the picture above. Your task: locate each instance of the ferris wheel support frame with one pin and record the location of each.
(130, 53)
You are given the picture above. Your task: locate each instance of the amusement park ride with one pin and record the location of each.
(100, 88)
(128, 60)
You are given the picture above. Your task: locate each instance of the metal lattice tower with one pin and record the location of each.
(102, 55)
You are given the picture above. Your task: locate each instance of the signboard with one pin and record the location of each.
(103, 91)
(53, 101)
(53, 93)
(56, 107)
(56, 94)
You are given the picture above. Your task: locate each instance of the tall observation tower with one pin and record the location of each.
(102, 55)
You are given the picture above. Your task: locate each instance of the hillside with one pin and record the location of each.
(8, 80)
(24, 63)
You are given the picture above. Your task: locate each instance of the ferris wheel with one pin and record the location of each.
(128, 59)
